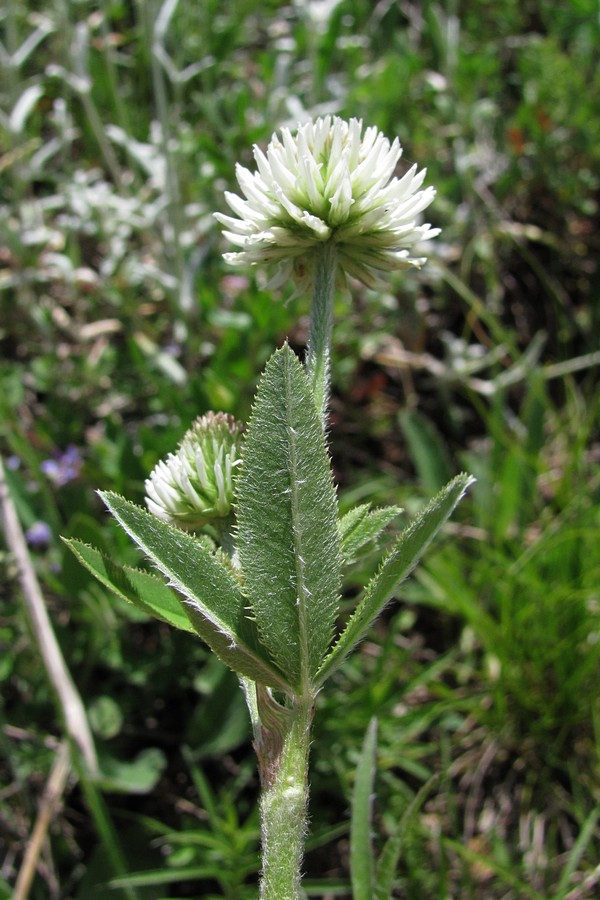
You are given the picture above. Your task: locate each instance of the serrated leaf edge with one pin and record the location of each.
(276, 678)
(339, 651)
(71, 544)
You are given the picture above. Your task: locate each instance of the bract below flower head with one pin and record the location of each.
(328, 182)
(193, 487)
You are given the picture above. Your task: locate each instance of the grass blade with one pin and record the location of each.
(388, 861)
(585, 836)
(361, 845)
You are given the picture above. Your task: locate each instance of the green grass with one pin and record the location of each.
(119, 323)
(526, 583)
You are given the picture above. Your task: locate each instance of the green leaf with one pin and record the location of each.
(142, 589)
(397, 566)
(427, 449)
(105, 716)
(387, 864)
(361, 844)
(288, 539)
(133, 777)
(361, 526)
(215, 604)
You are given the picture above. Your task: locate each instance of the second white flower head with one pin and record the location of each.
(328, 182)
(193, 487)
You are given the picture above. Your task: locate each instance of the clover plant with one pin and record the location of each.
(245, 527)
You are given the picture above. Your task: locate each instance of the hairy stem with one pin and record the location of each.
(321, 322)
(283, 760)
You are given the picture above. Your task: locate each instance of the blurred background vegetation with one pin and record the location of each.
(120, 127)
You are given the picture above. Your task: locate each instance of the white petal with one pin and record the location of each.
(341, 202)
(283, 177)
(239, 225)
(242, 208)
(263, 166)
(320, 228)
(238, 240)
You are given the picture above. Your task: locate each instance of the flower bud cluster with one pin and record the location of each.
(193, 487)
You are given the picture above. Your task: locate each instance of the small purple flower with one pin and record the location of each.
(38, 535)
(65, 467)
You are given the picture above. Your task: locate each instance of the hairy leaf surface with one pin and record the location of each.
(288, 538)
(396, 566)
(216, 606)
(363, 525)
(142, 589)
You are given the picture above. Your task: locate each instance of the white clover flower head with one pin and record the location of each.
(193, 487)
(328, 182)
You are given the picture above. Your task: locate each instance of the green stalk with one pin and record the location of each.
(105, 828)
(282, 735)
(283, 760)
(321, 323)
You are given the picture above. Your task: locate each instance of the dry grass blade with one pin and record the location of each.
(48, 808)
(70, 702)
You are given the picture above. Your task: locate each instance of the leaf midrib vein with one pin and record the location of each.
(301, 589)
